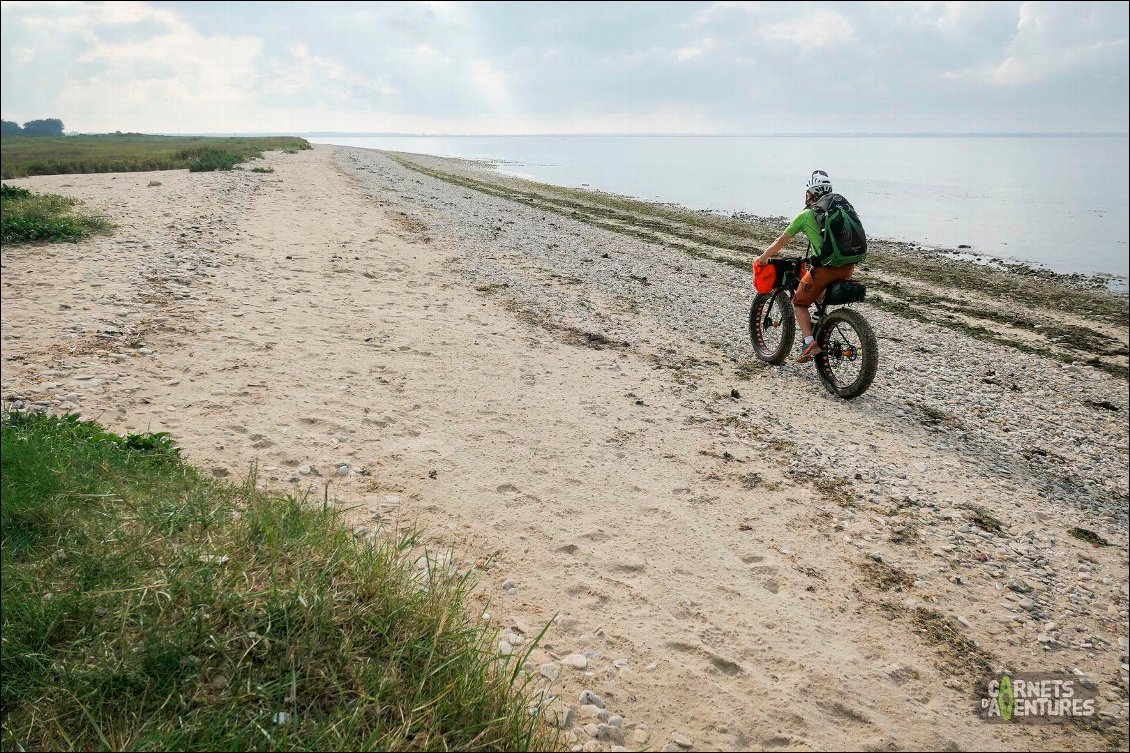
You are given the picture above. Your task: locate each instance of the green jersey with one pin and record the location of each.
(806, 222)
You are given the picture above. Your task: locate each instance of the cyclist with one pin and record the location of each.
(816, 278)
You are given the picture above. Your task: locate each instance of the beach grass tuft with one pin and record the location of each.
(27, 217)
(148, 606)
(209, 159)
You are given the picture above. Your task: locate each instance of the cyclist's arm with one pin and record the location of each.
(775, 247)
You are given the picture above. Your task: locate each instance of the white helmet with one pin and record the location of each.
(819, 183)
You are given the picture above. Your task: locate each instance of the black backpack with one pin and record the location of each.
(842, 238)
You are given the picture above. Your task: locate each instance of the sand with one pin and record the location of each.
(303, 324)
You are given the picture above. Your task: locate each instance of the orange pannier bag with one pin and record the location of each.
(764, 277)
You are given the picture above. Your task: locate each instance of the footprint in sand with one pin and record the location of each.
(765, 574)
(724, 665)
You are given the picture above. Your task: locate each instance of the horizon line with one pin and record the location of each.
(735, 134)
(648, 134)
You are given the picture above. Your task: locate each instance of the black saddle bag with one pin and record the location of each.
(845, 291)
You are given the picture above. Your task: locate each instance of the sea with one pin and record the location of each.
(1059, 202)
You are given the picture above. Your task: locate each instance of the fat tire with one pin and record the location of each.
(870, 346)
(788, 327)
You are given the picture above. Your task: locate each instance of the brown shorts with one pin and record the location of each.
(816, 279)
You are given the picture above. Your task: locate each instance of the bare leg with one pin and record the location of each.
(804, 320)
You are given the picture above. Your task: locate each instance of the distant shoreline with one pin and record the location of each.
(860, 134)
(1118, 284)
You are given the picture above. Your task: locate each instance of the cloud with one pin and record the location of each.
(491, 81)
(1055, 39)
(717, 10)
(427, 54)
(690, 53)
(946, 17)
(821, 27)
(310, 68)
(181, 66)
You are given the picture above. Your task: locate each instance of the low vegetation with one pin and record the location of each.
(22, 156)
(27, 217)
(147, 606)
(209, 159)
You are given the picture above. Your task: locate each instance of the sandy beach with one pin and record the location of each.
(728, 556)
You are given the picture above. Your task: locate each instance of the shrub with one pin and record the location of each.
(27, 217)
(212, 158)
(13, 192)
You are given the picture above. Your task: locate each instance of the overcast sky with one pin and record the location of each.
(443, 67)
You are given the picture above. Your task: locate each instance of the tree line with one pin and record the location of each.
(43, 127)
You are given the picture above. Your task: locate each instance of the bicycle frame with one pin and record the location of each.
(789, 272)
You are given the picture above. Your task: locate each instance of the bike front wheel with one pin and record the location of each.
(772, 326)
(850, 353)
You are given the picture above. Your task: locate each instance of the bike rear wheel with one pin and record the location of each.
(772, 326)
(850, 354)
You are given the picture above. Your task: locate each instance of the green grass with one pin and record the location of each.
(209, 159)
(262, 169)
(22, 156)
(148, 607)
(27, 217)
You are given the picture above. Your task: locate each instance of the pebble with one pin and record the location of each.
(682, 740)
(589, 698)
(576, 661)
(608, 733)
(1084, 679)
(550, 671)
(589, 711)
(557, 714)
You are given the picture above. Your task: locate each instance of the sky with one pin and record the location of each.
(507, 68)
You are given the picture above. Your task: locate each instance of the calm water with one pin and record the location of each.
(1057, 201)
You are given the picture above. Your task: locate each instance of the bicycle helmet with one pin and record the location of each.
(819, 183)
